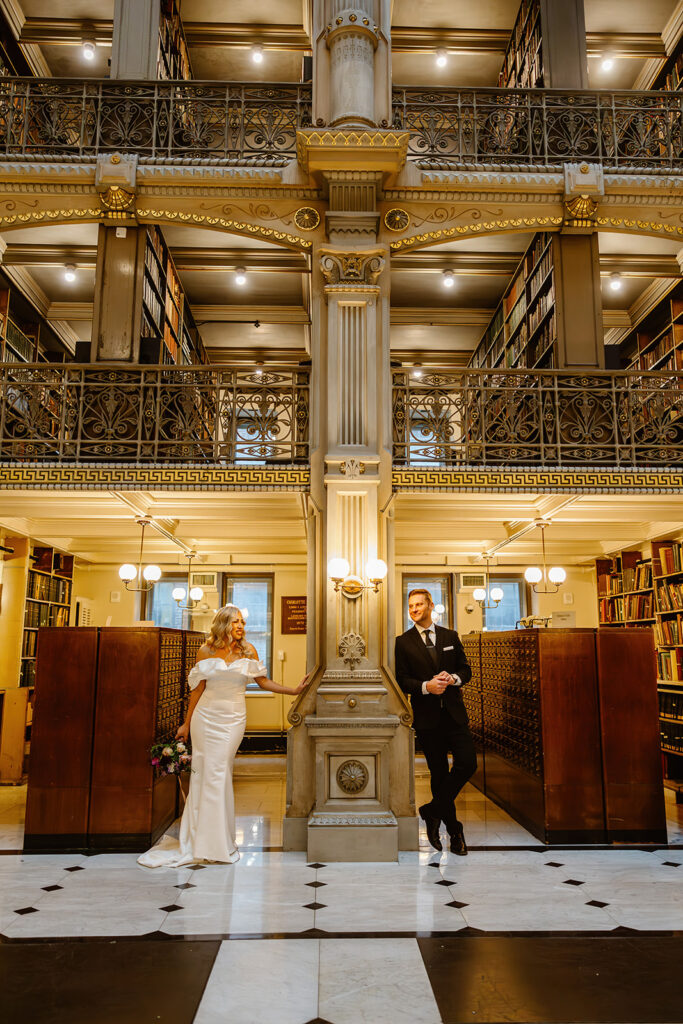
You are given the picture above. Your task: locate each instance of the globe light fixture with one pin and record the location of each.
(257, 54)
(70, 272)
(488, 597)
(178, 593)
(441, 58)
(448, 278)
(351, 586)
(545, 581)
(195, 593)
(240, 276)
(615, 282)
(151, 574)
(607, 63)
(88, 49)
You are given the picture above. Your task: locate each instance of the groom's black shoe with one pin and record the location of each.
(458, 844)
(432, 826)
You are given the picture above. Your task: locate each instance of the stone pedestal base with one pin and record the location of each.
(359, 836)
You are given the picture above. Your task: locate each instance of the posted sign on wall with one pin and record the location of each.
(293, 615)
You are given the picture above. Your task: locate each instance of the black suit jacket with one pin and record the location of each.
(414, 665)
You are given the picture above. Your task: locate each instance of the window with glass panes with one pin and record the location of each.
(513, 606)
(160, 606)
(254, 596)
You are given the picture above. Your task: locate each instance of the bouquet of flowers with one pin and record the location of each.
(172, 758)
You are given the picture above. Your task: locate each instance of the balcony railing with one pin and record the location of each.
(239, 123)
(540, 127)
(72, 413)
(542, 418)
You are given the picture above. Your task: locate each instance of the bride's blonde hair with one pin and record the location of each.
(220, 634)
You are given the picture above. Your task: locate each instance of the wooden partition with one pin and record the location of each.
(103, 697)
(566, 727)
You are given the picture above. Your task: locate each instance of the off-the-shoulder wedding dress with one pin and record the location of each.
(207, 828)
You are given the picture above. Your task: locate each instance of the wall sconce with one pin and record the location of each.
(338, 569)
(195, 594)
(556, 575)
(488, 598)
(151, 573)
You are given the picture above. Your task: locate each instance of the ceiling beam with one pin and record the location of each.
(274, 261)
(405, 39)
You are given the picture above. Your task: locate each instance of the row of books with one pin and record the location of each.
(611, 611)
(515, 292)
(668, 558)
(674, 80)
(670, 597)
(639, 606)
(670, 665)
(536, 282)
(516, 317)
(30, 642)
(637, 578)
(541, 308)
(646, 360)
(672, 736)
(513, 351)
(611, 585)
(151, 300)
(543, 345)
(36, 615)
(45, 588)
(669, 631)
(671, 703)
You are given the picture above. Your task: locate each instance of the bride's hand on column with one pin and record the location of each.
(183, 732)
(301, 687)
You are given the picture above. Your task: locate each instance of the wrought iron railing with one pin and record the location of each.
(153, 414)
(233, 122)
(622, 130)
(546, 418)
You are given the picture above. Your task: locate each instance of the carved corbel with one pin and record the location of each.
(116, 184)
(352, 269)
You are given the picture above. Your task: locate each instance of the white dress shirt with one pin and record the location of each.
(432, 633)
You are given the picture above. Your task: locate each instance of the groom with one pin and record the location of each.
(431, 666)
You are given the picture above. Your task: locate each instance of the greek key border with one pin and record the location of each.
(511, 479)
(117, 476)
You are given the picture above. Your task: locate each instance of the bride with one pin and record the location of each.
(217, 714)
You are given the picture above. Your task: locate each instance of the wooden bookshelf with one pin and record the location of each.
(656, 343)
(670, 76)
(522, 330)
(523, 62)
(625, 594)
(173, 61)
(168, 330)
(48, 602)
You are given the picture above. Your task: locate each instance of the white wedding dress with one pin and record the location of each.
(207, 828)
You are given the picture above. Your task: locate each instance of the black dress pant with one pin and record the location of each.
(447, 737)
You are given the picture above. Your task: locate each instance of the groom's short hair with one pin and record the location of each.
(421, 590)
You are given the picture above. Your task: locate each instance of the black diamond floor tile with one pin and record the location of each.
(171, 907)
(26, 910)
(455, 903)
(52, 888)
(314, 906)
(553, 864)
(434, 864)
(445, 881)
(185, 885)
(596, 903)
(197, 867)
(318, 1020)
(315, 885)
(573, 881)
(317, 865)
(670, 864)
(76, 868)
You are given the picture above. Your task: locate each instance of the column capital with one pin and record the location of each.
(358, 270)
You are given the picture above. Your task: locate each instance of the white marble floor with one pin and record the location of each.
(280, 894)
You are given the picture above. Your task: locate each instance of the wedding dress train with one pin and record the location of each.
(207, 828)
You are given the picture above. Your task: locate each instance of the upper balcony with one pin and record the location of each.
(256, 124)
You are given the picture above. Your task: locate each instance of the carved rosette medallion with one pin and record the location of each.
(396, 219)
(307, 218)
(352, 776)
(351, 649)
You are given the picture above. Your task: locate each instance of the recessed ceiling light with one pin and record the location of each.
(240, 276)
(417, 370)
(448, 279)
(88, 49)
(615, 282)
(441, 58)
(607, 63)
(257, 54)
(69, 272)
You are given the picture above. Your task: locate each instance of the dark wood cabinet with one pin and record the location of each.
(566, 727)
(103, 697)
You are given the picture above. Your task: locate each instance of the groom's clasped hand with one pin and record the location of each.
(437, 684)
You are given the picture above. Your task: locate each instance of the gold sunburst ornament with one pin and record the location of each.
(396, 219)
(306, 218)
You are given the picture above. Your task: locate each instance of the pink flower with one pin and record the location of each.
(155, 760)
(170, 769)
(185, 758)
(181, 748)
(167, 752)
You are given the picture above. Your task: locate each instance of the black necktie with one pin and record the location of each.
(429, 644)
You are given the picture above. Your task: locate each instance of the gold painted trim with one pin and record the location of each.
(371, 149)
(96, 477)
(476, 228)
(241, 227)
(580, 480)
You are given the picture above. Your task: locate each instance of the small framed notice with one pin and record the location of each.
(293, 615)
